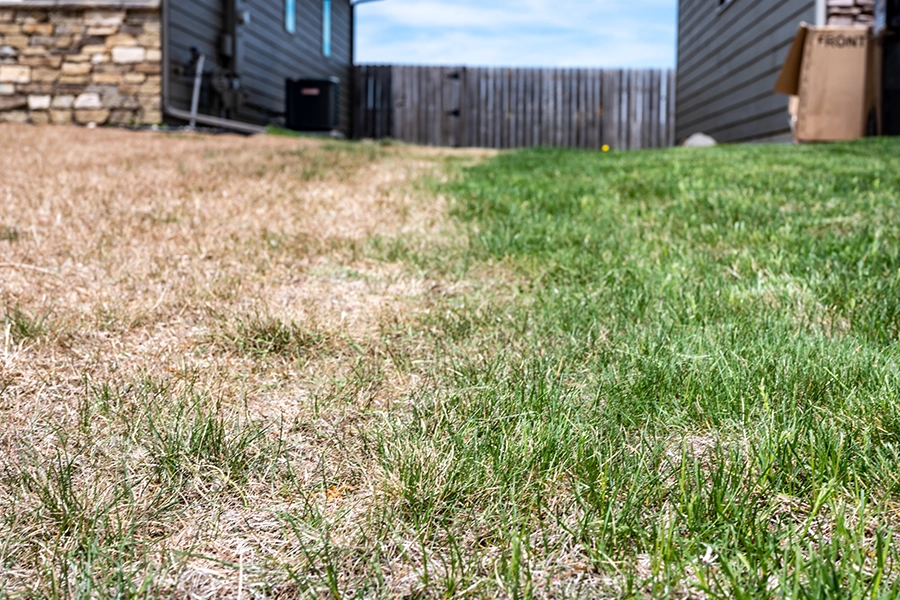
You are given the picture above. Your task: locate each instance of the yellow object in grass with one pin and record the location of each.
(605, 148)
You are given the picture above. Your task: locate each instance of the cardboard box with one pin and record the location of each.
(835, 71)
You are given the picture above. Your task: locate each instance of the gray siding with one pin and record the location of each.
(192, 23)
(268, 53)
(728, 62)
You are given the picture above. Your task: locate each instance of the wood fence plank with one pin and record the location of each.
(483, 108)
(598, 94)
(446, 115)
(587, 109)
(559, 109)
(437, 104)
(534, 106)
(521, 108)
(469, 116)
(500, 106)
(397, 94)
(410, 120)
(524, 76)
(657, 108)
(534, 95)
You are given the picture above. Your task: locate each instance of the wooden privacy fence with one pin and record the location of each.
(513, 108)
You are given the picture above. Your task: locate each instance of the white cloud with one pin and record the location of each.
(602, 33)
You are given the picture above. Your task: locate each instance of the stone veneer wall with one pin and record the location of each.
(87, 65)
(851, 12)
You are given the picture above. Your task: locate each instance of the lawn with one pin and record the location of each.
(282, 367)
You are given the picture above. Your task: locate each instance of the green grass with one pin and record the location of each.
(21, 325)
(692, 384)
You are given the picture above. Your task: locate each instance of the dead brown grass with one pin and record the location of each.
(151, 281)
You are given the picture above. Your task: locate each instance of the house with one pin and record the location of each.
(730, 53)
(135, 62)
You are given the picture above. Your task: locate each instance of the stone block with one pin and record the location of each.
(150, 88)
(35, 89)
(64, 101)
(8, 52)
(153, 102)
(42, 40)
(92, 40)
(134, 78)
(98, 59)
(120, 39)
(16, 41)
(78, 58)
(38, 102)
(127, 89)
(104, 18)
(129, 102)
(151, 117)
(34, 51)
(66, 88)
(63, 41)
(40, 117)
(93, 49)
(7, 89)
(151, 40)
(35, 16)
(10, 29)
(13, 102)
(38, 28)
(101, 31)
(48, 60)
(6, 15)
(112, 99)
(61, 117)
(128, 54)
(85, 117)
(111, 68)
(132, 29)
(14, 116)
(154, 55)
(148, 68)
(15, 74)
(41, 75)
(106, 78)
(75, 28)
(70, 68)
(88, 101)
(122, 117)
(75, 79)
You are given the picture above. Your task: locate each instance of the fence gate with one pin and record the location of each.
(512, 108)
(427, 108)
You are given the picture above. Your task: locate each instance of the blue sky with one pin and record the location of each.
(585, 33)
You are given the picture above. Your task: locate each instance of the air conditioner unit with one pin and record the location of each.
(313, 104)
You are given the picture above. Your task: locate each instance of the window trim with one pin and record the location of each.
(290, 16)
(326, 28)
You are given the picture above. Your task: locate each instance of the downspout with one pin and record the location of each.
(821, 13)
(184, 115)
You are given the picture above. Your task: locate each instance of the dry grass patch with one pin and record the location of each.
(191, 337)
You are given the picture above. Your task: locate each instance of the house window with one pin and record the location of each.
(290, 15)
(326, 27)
